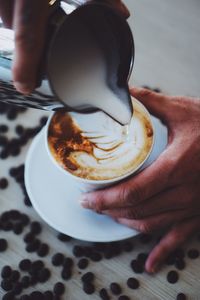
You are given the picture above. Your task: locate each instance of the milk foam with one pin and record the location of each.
(113, 155)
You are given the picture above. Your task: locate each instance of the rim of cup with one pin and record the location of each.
(104, 181)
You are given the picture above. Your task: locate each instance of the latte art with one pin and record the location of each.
(94, 146)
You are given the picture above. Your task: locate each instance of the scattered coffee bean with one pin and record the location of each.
(66, 273)
(25, 265)
(25, 297)
(104, 294)
(137, 266)
(17, 288)
(142, 257)
(68, 262)
(63, 237)
(172, 277)
(87, 277)
(15, 275)
(33, 246)
(78, 251)
(25, 281)
(123, 297)
(6, 272)
(48, 295)
(6, 285)
(27, 201)
(83, 263)
(181, 296)
(3, 128)
(8, 296)
(36, 295)
(19, 129)
(43, 250)
(36, 227)
(57, 259)
(44, 275)
(193, 253)
(115, 288)
(18, 228)
(3, 245)
(24, 219)
(88, 288)
(3, 140)
(3, 183)
(133, 283)
(59, 288)
(95, 256)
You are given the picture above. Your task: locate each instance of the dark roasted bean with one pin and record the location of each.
(123, 297)
(25, 281)
(36, 227)
(57, 259)
(29, 237)
(172, 277)
(44, 275)
(64, 238)
(18, 228)
(83, 263)
(137, 266)
(8, 296)
(3, 245)
(179, 264)
(36, 295)
(48, 295)
(78, 251)
(66, 273)
(115, 288)
(59, 288)
(15, 275)
(3, 183)
(95, 256)
(17, 288)
(3, 128)
(104, 294)
(37, 265)
(133, 283)
(193, 253)
(33, 246)
(181, 296)
(43, 250)
(6, 272)
(87, 277)
(25, 297)
(68, 262)
(88, 288)
(6, 285)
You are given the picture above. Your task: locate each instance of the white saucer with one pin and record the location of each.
(55, 197)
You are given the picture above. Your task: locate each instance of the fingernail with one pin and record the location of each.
(154, 269)
(84, 202)
(23, 88)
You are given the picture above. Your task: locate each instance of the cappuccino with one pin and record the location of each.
(95, 147)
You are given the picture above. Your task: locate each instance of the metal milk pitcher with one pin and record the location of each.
(114, 38)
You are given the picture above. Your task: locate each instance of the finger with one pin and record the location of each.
(173, 199)
(155, 223)
(30, 18)
(172, 240)
(6, 12)
(151, 181)
(157, 103)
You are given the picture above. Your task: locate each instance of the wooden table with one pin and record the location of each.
(167, 56)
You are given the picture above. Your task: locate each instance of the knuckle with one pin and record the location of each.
(145, 227)
(124, 195)
(137, 193)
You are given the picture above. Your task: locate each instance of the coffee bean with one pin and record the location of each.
(115, 288)
(193, 253)
(36, 295)
(33, 246)
(181, 296)
(6, 272)
(4, 153)
(87, 277)
(9, 296)
(59, 288)
(3, 183)
(63, 237)
(66, 273)
(3, 245)
(43, 250)
(19, 129)
(3, 140)
(17, 288)
(3, 128)
(44, 275)
(27, 201)
(33, 280)
(95, 256)
(25, 281)
(88, 288)
(29, 237)
(36, 227)
(142, 257)
(68, 262)
(15, 275)
(25, 297)
(24, 219)
(56, 297)
(25, 265)
(37, 265)
(57, 259)
(6, 285)
(137, 266)
(123, 297)
(11, 114)
(7, 226)
(18, 228)
(78, 251)
(104, 294)
(83, 263)
(48, 295)
(172, 277)
(133, 283)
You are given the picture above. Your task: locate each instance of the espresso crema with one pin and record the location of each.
(94, 146)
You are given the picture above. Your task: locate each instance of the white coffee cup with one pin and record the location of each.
(86, 185)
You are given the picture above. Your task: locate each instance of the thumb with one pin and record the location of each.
(156, 103)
